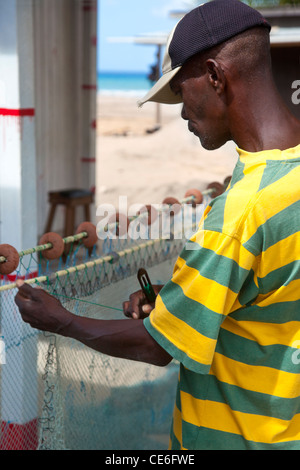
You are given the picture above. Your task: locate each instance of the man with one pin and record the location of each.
(230, 313)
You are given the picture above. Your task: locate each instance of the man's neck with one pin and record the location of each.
(265, 122)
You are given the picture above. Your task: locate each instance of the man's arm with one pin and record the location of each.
(127, 339)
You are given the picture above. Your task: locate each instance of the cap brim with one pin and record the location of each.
(161, 92)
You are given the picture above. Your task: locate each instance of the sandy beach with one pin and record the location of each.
(147, 167)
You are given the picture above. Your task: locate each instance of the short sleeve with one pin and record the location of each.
(213, 276)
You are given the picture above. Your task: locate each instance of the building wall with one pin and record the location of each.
(65, 96)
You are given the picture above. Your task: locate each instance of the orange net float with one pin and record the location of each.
(57, 248)
(216, 189)
(196, 195)
(91, 239)
(174, 204)
(12, 259)
(148, 215)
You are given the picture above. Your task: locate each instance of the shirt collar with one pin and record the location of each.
(256, 157)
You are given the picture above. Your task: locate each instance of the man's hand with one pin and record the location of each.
(117, 338)
(41, 310)
(137, 306)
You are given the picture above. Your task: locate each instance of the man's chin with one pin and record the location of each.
(206, 141)
(210, 143)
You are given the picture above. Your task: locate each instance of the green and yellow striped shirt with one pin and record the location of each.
(231, 313)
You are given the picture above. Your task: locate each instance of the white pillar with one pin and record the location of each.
(87, 55)
(18, 220)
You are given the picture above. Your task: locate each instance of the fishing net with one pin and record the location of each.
(56, 393)
(105, 402)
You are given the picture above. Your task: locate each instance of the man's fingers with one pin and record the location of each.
(132, 307)
(20, 283)
(147, 308)
(135, 302)
(126, 309)
(25, 290)
(129, 311)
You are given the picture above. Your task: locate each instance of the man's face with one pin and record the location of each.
(203, 107)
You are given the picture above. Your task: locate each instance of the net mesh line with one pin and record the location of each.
(133, 396)
(56, 393)
(77, 398)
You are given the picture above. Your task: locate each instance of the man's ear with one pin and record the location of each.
(216, 75)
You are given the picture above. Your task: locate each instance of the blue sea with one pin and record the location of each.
(123, 83)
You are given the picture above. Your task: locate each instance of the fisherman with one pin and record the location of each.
(231, 312)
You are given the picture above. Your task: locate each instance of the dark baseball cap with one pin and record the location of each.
(204, 27)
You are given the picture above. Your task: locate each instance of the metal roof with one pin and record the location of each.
(279, 37)
(285, 28)
(285, 36)
(154, 39)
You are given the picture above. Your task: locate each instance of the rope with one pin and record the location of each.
(47, 246)
(89, 302)
(89, 264)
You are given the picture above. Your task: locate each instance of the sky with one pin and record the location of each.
(123, 18)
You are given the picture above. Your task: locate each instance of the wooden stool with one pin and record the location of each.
(71, 199)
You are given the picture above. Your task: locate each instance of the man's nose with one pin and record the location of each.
(183, 113)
